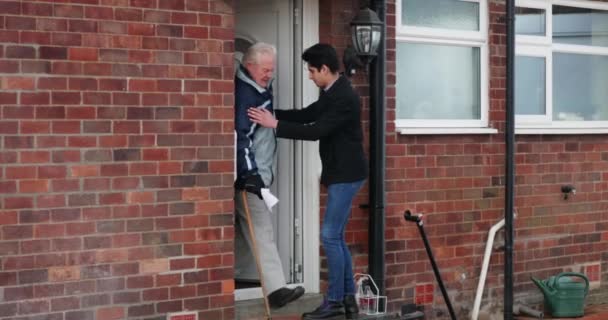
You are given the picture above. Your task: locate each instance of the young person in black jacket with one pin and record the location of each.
(335, 120)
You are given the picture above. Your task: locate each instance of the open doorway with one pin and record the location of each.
(291, 25)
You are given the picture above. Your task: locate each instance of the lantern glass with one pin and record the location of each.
(376, 34)
(363, 39)
(366, 38)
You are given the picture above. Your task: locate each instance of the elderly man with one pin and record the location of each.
(255, 154)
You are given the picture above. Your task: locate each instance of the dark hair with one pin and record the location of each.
(322, 54)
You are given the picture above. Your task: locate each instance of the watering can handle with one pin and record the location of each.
(573, 274)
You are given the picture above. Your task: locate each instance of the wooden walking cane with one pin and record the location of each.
(255, 253)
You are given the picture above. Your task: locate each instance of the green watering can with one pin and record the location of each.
(564, 296)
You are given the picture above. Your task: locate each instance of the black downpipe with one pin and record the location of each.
(377, 88)
(510, 165)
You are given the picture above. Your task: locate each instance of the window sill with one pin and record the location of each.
(540, 130)
(419, 131)
(519, 131)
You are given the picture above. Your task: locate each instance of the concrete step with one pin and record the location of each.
(254, 310)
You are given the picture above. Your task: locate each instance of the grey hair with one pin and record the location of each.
(255, 51)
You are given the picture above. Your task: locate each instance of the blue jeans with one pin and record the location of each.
(339, 199)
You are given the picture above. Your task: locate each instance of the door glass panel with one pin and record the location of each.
(271, 22)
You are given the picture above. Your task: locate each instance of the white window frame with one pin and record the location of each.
(477, 39)
(535, 46)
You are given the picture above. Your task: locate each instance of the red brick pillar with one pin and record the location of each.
(116, 158)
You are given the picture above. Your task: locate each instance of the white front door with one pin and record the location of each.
(295, 218)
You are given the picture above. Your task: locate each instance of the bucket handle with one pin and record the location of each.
(573, 274)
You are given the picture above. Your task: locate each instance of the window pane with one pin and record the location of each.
(581, 26)
(438, 82)
(530, 21)
(530, 85)
(580, 85)
(446, 14)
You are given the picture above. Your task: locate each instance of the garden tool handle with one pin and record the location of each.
(409, 217)
(255, 253)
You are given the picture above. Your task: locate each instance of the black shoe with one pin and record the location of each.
(327, 310)
(350, 307)
(283, 296)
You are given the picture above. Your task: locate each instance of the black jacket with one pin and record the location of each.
(335, 120)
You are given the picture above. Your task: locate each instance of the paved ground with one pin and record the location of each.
(254, 310)
(598, 312)
(298, 317)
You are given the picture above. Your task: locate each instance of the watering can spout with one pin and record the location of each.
(547, 291)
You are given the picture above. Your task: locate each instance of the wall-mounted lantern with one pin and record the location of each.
(366, 32)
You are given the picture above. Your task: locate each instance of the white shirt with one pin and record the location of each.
(331, 84)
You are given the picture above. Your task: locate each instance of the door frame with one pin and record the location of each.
(312, 162)
(311, 166)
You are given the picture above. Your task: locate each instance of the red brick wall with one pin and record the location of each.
(116, 158)
(457, 181)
